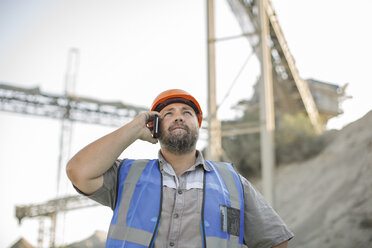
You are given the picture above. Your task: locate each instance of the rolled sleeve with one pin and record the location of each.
(263, 227)
(107, 193)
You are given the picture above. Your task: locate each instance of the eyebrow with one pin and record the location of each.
(186, 108)
(183, 108)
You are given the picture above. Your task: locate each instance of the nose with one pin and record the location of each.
(178, 117)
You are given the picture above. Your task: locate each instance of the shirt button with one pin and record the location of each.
(180, 191)
(175, 215)
(171, 244)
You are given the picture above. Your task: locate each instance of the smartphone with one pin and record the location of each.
(156, 127)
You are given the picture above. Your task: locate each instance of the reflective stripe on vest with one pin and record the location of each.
(137, 213)
(226, 185)
(135, 221)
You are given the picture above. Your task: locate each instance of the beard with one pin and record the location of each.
(179, 142)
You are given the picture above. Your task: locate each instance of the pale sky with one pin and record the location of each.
(132, 50)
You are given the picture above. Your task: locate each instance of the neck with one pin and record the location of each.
(179, 162)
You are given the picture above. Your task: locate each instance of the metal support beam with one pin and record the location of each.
(267, 117)
(50, 209)
(32, 101)
(52, 230)
(284, 64)
(54, 206)
(40, 239)
(214, 126)
(66, 123)
(233, 37)
(302, 86)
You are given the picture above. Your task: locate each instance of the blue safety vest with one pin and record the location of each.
(137, 214)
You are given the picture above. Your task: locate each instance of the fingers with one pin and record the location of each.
(144, 118)
(148, 116)
(146, 124)
(148, 136)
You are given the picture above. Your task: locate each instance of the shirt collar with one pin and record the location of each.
(198, 162)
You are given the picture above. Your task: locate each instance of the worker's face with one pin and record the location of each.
(179, 128)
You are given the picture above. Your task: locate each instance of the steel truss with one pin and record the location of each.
(32, 101)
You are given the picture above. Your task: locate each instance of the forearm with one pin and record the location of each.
(96, 158)
(87, 167)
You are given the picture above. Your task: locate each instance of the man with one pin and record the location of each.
(180, 199)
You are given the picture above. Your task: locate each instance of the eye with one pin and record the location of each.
(188, 112)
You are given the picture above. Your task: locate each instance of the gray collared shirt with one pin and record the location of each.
(182, 204)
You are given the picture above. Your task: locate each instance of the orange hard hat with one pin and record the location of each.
(177, 96)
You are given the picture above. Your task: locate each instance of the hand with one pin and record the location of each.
(141, 121)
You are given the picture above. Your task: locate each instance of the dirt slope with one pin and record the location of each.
(327, 201)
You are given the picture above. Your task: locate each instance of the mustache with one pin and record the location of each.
(178, 125)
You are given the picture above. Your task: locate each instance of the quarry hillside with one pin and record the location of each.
(327, 200)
